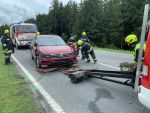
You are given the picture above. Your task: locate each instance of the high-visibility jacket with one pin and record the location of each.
(7, 44)
(135, 52)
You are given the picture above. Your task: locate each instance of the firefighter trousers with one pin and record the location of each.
(83, 54)
(92, 55)
(7, 56)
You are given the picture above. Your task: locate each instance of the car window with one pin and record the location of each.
(50, 41)
(27, 28)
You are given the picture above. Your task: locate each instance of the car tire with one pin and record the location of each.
(70, 64)
(38, 65)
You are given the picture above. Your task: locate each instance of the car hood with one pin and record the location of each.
(55, 49)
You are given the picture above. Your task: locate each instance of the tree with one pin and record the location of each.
(114, 28)
(2, 28)
(107, 22)
(30, 20)
(89, 19)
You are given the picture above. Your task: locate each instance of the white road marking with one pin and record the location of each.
(112, 52)
(55, 106)
(109, 66)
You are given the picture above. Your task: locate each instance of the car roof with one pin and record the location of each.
(24, 24)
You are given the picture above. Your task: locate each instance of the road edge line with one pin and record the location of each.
(51, 102)
(109, 66)
(112, 52)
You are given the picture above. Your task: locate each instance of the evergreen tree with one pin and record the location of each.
(107, 22)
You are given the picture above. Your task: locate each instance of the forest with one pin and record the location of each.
(107, 22)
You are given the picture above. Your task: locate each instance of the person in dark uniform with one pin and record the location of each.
(84, 37)
(7, 45)
(87, 49)
(134, 45)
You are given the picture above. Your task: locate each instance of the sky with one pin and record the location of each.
(13, 11)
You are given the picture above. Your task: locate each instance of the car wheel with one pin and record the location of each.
(38, 65)
(70, 64)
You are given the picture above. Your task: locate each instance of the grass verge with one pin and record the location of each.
(113, 50)
(15, 96)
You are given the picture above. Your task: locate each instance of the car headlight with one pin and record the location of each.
(46, 56)
(70, 54)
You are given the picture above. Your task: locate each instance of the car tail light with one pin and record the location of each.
(145, 70)
(145, 80)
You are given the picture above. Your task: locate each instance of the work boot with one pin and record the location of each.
(9, 60)
(95, 61)
(6, 61)
(88, 61)
(83, 58)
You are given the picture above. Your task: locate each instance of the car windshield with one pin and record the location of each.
(27, 28)
(50, 41)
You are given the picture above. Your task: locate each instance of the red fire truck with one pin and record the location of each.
(22, 34)
(144, 88)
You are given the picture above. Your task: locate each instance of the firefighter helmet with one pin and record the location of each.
(131, 39)
(80, 42)
(6, 31)
(37, 33)
(84, 33)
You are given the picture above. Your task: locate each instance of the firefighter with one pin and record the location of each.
(87, 49)
(84, 37)
(134, 45)
(8, 47)
(37, 34)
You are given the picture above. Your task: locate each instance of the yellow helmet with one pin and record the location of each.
(80, 42)
(6, 31)
(84, 33)
(37, 33)
(131, 39)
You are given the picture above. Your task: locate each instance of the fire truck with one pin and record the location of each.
(144, 88)
(22, 34)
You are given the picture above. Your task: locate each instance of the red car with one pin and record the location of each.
(51, 50)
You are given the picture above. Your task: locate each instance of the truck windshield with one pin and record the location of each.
(50, 41)
(27, 28)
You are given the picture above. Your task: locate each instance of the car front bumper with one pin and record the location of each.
(24, 43)
(144, 96)
(57, 61)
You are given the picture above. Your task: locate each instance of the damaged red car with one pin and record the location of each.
(51, 50)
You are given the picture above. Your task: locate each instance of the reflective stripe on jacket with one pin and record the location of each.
(87, 47)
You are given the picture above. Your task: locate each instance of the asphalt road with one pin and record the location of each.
(92, 95)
